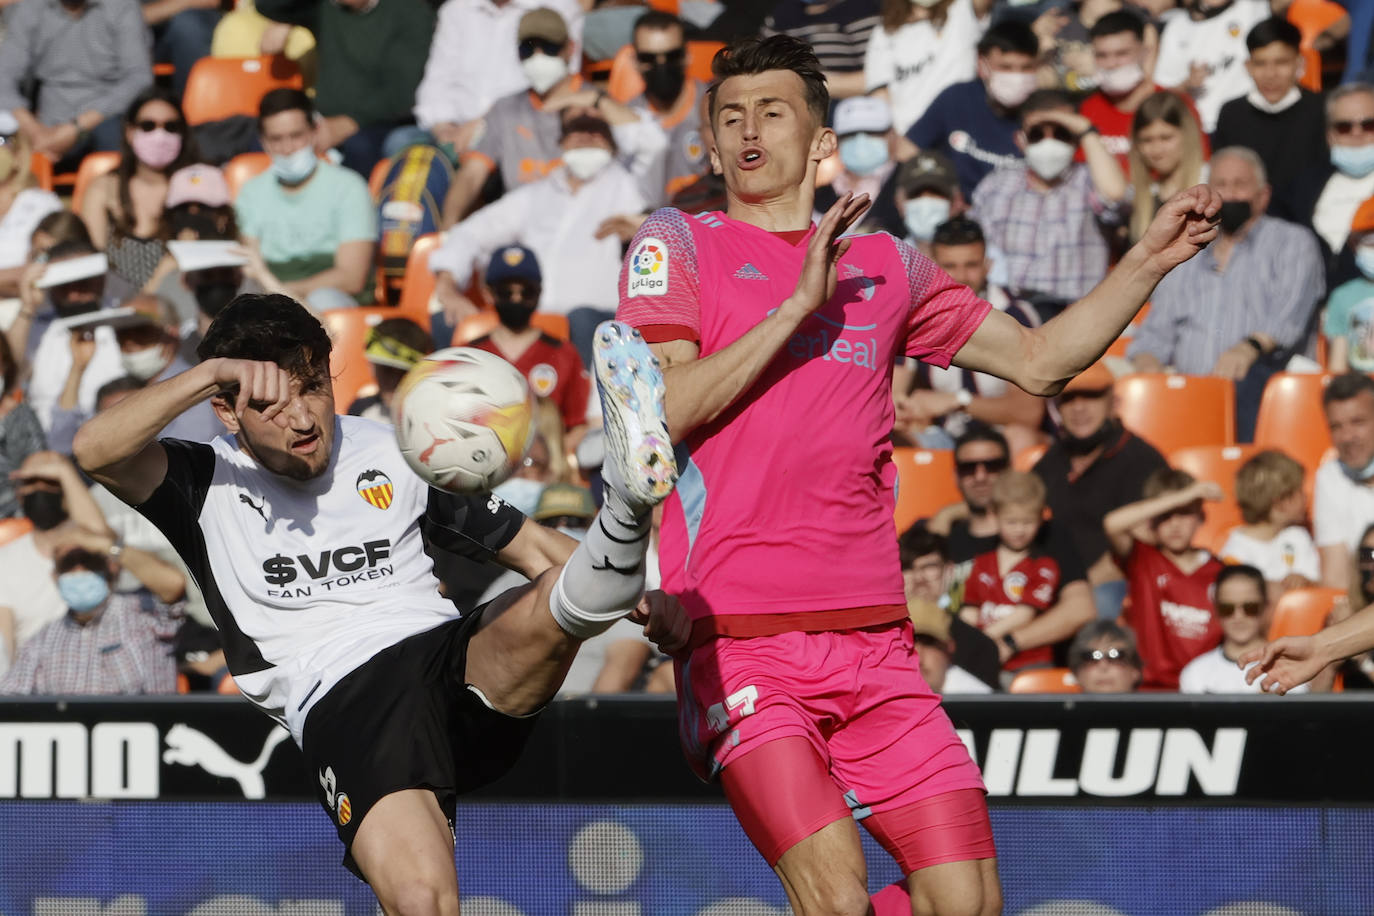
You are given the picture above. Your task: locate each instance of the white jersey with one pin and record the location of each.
(307, 580)
(1213, 672)
(1290, 551)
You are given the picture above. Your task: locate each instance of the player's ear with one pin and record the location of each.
(825, 144)
(716, 168)
(224, 409)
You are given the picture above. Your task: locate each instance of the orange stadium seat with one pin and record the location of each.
(474, 326)
(377, 179)
(244, 166)
(1291, 418)
(348, 330)
(1028, 457)
(925, 484)
(1217, 463)
(220, 87)
(228, 687)
(1175, 411)
(625, 83)
(418, 286)
(40, 167)
(1044, 680)
(92, 167)
(1312, 17)
(14, 528)
(1303, 611)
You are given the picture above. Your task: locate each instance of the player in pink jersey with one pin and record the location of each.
(801, 689)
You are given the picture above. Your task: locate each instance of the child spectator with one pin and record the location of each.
(1170, 579)
(954, 656)
(1273, 539)
(1012, 584)
(1244, 611)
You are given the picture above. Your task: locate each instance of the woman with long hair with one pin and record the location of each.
(124, 210)
(22, 204)
(921, 47)
(1167, 155)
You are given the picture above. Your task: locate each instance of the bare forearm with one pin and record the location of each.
(466, 188)
(1107, 178)
(1335, 566)
(118, 433)
(1128, 517)
(1075, 608)
(159, 577)
(846, 83)
(1350, 637)
(700, 390)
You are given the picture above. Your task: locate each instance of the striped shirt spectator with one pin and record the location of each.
(838, 30)
(124, 649)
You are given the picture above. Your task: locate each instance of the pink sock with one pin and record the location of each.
(893, 900)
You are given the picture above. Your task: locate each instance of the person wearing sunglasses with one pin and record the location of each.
(1331, 191)
(125, 210)
(1049, 215)
(673, 100)
(1104, 658)
(1244, 611)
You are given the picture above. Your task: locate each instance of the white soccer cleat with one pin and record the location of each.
(639, 451)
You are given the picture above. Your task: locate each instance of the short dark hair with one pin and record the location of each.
(117, 386)
(659, 21)
(1010, 36)
(64, 226)
(71, 248)
(1115, 23)
(1274, 30)
(1239, 571)
(81, 558)
(1166, 480)
(285, 99)
(269, 327)
(982, 432)
(776, 52)
(920, 541)
(585, 123)
(1345, 386)
(959, 231)
(1045, 100)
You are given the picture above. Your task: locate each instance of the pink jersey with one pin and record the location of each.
(784, 504)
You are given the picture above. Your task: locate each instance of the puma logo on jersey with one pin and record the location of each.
(243, 498)
(192, 748)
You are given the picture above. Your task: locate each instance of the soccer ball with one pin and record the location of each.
(464, 419)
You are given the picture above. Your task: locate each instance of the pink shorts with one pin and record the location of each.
(856, 696)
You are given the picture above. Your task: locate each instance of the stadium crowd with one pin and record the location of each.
(1208, 483)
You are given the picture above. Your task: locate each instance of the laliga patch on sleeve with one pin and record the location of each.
(648, 274)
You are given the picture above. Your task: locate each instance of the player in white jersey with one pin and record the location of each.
(306, 532)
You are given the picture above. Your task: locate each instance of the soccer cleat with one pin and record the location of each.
(639, 452)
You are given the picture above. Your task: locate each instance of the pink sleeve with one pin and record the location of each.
(659, 290)
(943, 314)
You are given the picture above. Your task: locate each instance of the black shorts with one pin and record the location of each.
(406, 719)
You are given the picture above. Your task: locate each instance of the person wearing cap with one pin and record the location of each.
(89, 60)
(521, 136)
(556, 217)
(1051, 217)
(393, 347)
(926, 194)
(473, 63)
(864, 127)
(22, 204)
(552, 367)
(371, 55)
(198, 205)
(921, 49)
(1095, 465)
(312, 222)
(1348, 319)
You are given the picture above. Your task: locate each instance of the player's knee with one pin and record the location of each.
(421, 897)
(984, 901)
(838, 898)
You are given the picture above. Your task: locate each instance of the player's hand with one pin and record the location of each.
(261, 384)
(1283, 664)
(819, 274)
(82, 345)
(1184, 225)
(665, 621)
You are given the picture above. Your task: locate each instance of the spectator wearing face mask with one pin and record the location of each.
(864, 127)
(556, 218)
(673, 101)
(1328, 194)
(927, 195)
(975, 123)
(209, 273)
(1242, 306)
(35, 312)
(922, 47)
(1048, 215)
(1125, 79)
(1204, 54)
(1278, 119)
(1348, 319)
(394, 346)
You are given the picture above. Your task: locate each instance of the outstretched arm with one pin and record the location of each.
(1295, 660)
(1042, 360)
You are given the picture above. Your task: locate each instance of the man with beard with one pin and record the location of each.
(1095, 466)
(551, 366)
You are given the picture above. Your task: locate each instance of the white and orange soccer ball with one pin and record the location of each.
(464, 419)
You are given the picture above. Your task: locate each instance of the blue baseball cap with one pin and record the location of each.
(514, 262)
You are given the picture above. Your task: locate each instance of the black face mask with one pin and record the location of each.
(43, 508)
(1233, 215)
(513, 315)
(211, 298)
(1082, 445)
(1206, 11)
(664, 82)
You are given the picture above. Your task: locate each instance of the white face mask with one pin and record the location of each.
(144, 364)
(1010, 89)
(544, 71)
(923, 214)
(1121, 80)
(586, 161)
(1049, 158)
